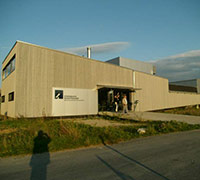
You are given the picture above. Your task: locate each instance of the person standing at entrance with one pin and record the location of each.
(116, 100)
(125, 104)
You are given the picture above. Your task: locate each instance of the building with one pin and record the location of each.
(38, 81)
(134, 65)
(192, 84)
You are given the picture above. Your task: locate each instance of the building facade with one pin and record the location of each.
(38, 81)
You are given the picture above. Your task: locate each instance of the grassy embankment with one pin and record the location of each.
(191, 110)
(17, 136)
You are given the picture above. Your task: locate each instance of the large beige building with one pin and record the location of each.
(38, 81)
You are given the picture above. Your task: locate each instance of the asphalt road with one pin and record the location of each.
(170, 157)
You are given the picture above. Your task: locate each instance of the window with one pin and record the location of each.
(11, 96)
(2, 99)
(10, 67)
(58, 94)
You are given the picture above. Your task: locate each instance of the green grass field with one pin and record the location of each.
(27, 136)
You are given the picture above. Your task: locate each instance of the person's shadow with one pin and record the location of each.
(41, 157)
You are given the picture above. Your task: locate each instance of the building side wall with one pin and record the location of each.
(40, 69)
(178, 99)
(155, 94)
(8, 86)
(34, 80)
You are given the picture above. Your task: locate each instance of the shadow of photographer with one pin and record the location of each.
(41, 157)
(121, 175)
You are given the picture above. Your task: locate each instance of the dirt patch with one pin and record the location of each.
(99, 122)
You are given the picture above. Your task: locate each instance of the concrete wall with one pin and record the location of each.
(155, 94)
(40, 69)
(9, 85)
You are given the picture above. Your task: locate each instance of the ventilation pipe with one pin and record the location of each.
(88, 52)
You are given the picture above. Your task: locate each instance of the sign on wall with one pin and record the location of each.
(72, 101)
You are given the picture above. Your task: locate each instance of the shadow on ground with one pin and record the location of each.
(122, 175)
(40, 157)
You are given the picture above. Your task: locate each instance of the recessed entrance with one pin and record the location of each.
(106, 98)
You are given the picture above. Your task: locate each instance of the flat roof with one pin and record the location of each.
(118, 87)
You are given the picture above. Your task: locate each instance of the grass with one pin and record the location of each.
(23, 136)
(190, 110)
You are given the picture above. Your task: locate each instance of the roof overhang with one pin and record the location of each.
(118, 87)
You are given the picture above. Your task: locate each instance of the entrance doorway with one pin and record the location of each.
(106, 98)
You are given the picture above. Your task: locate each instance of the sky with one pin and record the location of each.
(165, 32)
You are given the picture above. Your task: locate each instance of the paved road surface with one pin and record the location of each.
(173, 156)
(167, 117)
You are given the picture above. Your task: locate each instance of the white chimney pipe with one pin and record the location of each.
(88, 52)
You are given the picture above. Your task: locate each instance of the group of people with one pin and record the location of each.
(124, 102)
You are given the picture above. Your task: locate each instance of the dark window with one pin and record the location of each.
(2, 99)
(10, 67)
(11, 96)
(58, 94)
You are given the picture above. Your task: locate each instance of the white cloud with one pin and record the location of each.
(179, 67)
(193, 53)
(99, 48)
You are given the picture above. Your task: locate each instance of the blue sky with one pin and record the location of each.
(155, 29)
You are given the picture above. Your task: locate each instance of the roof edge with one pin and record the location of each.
(59, 51)
(10, 51)
(183, 80)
